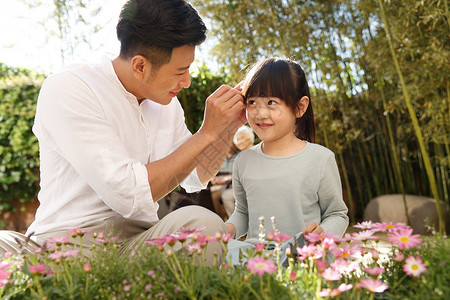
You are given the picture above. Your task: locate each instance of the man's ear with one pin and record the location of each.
(140, 66)
(302, 106)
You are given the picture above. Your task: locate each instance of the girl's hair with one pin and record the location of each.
(284, 79)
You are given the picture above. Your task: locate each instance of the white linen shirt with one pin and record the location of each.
(94, 141)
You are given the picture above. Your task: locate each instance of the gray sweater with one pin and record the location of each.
(297, 189)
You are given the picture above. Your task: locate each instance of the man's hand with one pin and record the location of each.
(312, 228)
(224, 108)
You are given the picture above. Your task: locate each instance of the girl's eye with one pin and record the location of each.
(272, 102)
(250, 102)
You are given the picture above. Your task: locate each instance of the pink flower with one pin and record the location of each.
(375, 254)
(191, 231)
(306, 251)
(344, 287)
(202, 240)
(59, 240)
(151, 273)
(258, 265)
(414, 266)
(87, 267)
(4, 278)
(9, 254)
(364, 235)
(193, 248)
(344, 266)
(404, 238)
(399, 257)
(105, 240)
(331, 275)
(70, 253)
(56, 256)
(4, 274)
(39, 270)
(260, 247)
(211, 239)
(389, 227)
(327, 243)
(321, 265)
(170, 239)
(317, 237)
(278, 237)
(293, 276)
(78, 231)
(158, 242)
(226, 237)
(345, 252)
(4, 265)
(375, 271)
(335, 292)
(374, 286)
(324, 293)
(182, 237)
(364, 225)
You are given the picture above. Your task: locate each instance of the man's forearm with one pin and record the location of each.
(212, 158)
(167, 173)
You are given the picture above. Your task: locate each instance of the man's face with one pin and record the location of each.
(172, 77)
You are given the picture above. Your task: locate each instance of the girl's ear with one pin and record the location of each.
(302, 106)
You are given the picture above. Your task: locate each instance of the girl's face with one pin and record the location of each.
(270, 118)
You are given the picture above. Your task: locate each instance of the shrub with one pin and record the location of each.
(19, 164)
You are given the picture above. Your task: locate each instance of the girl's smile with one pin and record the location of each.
(271, 119)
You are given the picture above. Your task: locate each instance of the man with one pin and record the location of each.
(112, 136)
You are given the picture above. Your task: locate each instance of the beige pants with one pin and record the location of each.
(132, 234)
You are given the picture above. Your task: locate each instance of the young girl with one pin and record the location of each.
(286, 175)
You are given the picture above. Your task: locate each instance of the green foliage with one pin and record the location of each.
(19, 162)
(203, 84)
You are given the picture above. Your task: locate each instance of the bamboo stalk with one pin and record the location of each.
(358, 175)
(415, 122)
(351, 206)
(362, 161)
(397, 170)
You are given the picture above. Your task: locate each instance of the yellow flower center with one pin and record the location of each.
(414, 267)
(389, 226)
(404, 239)
(345, 254)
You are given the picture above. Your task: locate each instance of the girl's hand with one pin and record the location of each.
(231, 229)
(312, 228)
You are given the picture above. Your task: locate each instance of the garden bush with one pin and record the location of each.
(412, 267)
(19, 161)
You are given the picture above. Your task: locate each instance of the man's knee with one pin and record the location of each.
(203, 217)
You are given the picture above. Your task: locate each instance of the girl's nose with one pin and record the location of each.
(261, 112)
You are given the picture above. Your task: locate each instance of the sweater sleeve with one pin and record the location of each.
(333, 209)
(239, 218)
